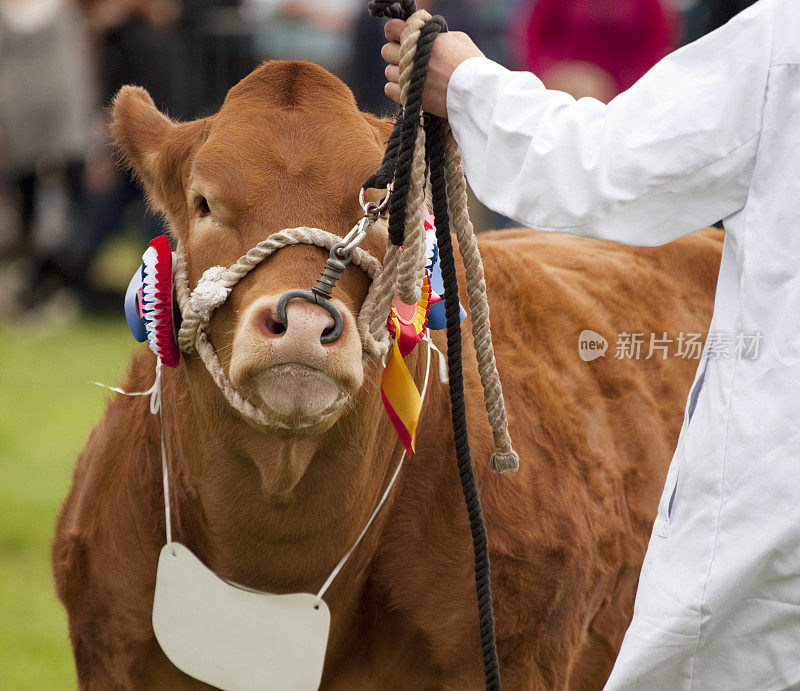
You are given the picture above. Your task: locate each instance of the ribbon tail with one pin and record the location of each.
(400, 396)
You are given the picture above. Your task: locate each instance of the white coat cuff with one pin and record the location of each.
(464, 84)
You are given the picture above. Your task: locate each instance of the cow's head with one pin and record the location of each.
(288, 148)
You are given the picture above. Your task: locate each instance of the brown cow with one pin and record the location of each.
(275, 510)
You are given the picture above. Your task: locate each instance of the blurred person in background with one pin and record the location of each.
(186, 53)
(704, 16)
(45, 110)
(316, 30)
(134, 42)
(594, 48)
(221, 41)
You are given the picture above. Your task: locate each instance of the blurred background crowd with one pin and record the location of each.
(64, 202)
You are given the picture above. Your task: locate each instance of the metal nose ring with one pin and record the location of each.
(320, 294)
(338, 323)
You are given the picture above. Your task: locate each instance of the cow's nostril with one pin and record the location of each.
(327, 332)
(274, 326)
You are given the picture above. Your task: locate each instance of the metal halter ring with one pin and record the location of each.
(329, 335)
(372, 210)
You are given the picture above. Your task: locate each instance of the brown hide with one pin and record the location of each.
(276, 509)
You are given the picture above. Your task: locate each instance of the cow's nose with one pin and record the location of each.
(306, 321)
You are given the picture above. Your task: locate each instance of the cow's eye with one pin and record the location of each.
(201, 204)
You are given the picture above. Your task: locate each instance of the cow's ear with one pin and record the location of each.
(153, 147)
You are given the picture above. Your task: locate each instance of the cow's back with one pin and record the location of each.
(545, 289)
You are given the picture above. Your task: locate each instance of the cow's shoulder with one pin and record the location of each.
(107, 535)
(522, 260)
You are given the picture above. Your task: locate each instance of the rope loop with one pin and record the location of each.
(411, 152)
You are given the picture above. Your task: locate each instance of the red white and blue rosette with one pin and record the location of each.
(149, 302)
(436, 317)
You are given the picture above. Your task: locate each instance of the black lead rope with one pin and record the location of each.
(397, 166)
(469, 487)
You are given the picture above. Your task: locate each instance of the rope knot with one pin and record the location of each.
(505, 460)
(209, 293)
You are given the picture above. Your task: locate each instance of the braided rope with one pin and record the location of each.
(379, 300)
(458, 409)
(392, 9)
(504, 457)
(208, 354)
(382, 177)
(412, 261)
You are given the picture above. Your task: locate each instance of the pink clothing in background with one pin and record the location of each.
(623, 37)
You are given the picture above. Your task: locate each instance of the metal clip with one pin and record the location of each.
(353, 239)
(372, 210)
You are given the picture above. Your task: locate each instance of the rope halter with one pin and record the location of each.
(212, 290)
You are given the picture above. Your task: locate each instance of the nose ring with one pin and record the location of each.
(320, 294)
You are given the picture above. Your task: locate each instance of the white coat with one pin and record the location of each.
(712, 131)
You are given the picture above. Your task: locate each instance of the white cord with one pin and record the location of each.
(444, 376)
(344, 559)
(155, 408)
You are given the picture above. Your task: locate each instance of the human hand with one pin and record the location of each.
(449, 50)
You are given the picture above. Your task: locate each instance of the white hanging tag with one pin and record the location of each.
(232, 637)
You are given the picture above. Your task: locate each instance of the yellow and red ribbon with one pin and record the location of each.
(400, 395)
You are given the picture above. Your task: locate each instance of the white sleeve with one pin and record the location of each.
(672, 154)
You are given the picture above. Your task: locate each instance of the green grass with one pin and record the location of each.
(47, 408)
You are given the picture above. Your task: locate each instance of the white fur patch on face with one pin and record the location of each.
(300, 394)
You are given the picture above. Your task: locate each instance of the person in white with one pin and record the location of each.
(711, 132)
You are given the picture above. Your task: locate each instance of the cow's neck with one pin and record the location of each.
(276, 511)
